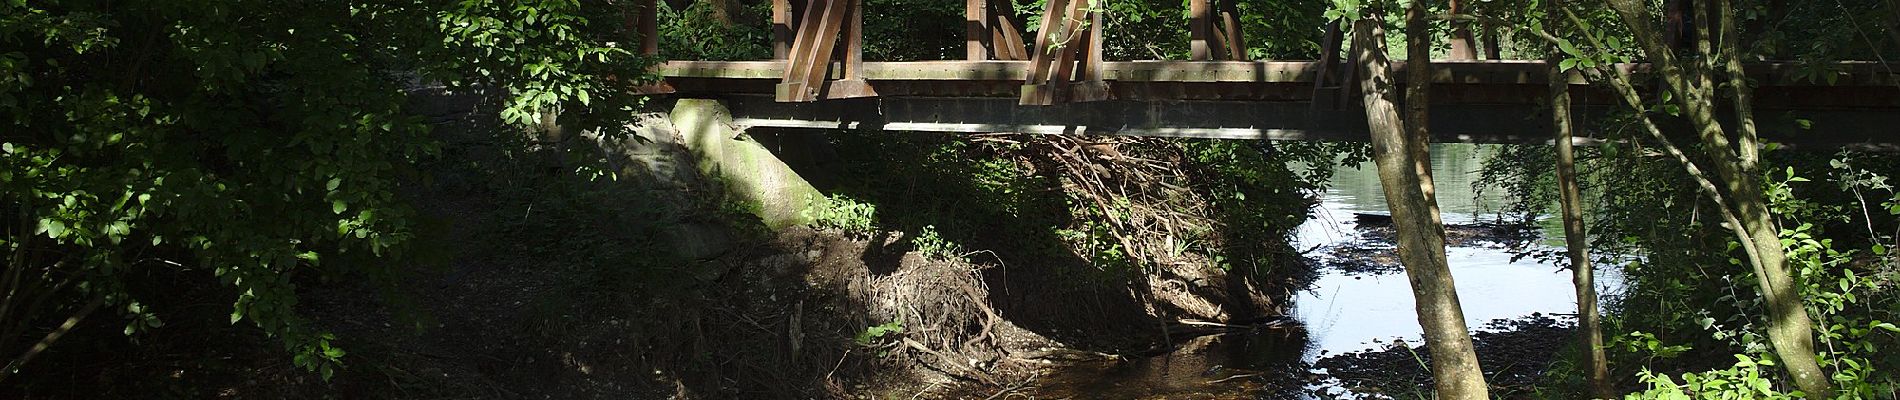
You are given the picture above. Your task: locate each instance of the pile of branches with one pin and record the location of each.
(1132, 184)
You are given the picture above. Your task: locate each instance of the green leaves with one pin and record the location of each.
(211, 147)
(872, 334)
(1344, 10)
(53, 228)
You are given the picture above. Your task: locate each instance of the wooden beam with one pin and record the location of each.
(1093, 87)
(1348, 86)
(1463, 47)
(650, 27)
(851, 83)
(1492, 50)
(1200, 30)
(812, 50)
(853, 50)
(1006, 37)
(1035, 91)
(1327, 81)
(976, 30)
(1070, 30)
(1234, 37)
(781, 29)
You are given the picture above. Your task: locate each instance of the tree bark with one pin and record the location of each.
(1790, 329)
(1583, 274)
(1405, 176)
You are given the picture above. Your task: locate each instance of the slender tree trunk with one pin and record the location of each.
(1790, 329)
(1404, 175)
(1583, 274)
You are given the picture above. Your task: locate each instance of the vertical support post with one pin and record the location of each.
(1462, 46)
(1093, 87)
(854, 42)
(1230, 23)
(976, 30)
(1329, 55)
(1326, 81)
(1349, 87)
(650, 27)
(781, 29)
(1492, 51)
(1199, 31)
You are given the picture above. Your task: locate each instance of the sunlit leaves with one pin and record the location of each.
(247, 140)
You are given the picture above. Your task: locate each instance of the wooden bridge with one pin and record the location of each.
(819, 79)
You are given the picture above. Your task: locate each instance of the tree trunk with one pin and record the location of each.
(1790, 329)
(1583, 274)
(1405, 176)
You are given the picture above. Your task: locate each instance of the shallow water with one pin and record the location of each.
(1345, 312)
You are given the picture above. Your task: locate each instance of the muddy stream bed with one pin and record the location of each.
(1355, 334)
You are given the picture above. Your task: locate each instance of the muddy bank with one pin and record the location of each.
(1513, 352)
(1373, 248)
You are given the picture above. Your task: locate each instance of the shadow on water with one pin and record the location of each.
(1265, 363)
(1360, 323)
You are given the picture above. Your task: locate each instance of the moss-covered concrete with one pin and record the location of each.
(774, 192)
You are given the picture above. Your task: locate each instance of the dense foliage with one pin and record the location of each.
(253, 143)
(1691, 320)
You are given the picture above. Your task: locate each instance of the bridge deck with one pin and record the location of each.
(1852, 103)
(1852, 85)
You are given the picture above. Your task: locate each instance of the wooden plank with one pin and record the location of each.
(851, 82)
(1347, 86)
(1035, 89)
(1325, 83)
(781, 29)
(1199, 31)
(813, 50)
(1462, 45)
(853, 51)
(1093, 86)
(1235, 37)
(976, 30)
(1006, 37)
(1492, 51)
(650, 27)
(1072, 29)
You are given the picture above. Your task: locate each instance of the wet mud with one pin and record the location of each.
(1374, 247)
(1514, 353)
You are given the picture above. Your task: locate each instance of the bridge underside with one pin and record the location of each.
(1467, 123)
(1480, 102)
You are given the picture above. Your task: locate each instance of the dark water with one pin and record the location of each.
(1345, 311)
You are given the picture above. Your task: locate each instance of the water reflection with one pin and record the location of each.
(1343, 311)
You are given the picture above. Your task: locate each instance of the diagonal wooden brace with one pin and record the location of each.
(1070, 30)
(1231, 34)
(815, 47)
(993, 32)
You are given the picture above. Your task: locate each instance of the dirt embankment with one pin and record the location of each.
(528, 282)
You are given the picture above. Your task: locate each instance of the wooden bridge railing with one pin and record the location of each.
(814, 37)
(819, 47)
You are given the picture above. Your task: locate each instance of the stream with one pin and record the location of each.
(1359, 326)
